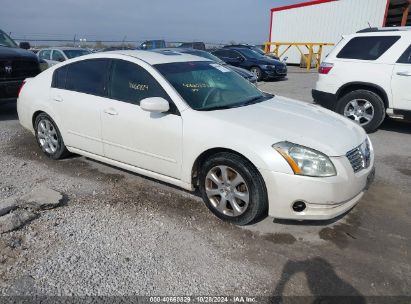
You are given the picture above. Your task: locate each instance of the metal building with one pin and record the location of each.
(328, 20)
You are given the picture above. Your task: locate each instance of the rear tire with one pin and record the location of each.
(49, 138)
(239, 196)
(364, 107)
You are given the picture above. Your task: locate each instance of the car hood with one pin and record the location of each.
(270, 61)
(284, 119)
(241, 71)
(12, 53)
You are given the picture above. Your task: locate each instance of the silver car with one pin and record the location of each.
(55, 55)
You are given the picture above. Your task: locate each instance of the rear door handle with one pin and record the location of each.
(58, 98)
(406, 74)
(110, 111)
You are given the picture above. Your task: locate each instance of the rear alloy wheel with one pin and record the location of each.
(256, 71)
(49, 138)
(364, 107)
(233, 189)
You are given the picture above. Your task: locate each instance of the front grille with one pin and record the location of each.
(18, 69)
(360, 156)
(281, 69)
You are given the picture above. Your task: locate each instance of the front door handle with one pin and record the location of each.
(406, 74)
(110, 111)
(58, 98)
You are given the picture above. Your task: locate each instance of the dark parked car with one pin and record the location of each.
(242, 72)
(152, 44)
(252, 47)
(261, 66)
(193, 45)
(16, 64)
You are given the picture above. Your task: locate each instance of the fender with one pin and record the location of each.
(366, 85)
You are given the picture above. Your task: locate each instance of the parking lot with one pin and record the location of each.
(118, 233)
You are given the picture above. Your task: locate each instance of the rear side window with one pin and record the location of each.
(59, 78)
(131, 83)
(87, 76)
(367, 48)
(406, 57)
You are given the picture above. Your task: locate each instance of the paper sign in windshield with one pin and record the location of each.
(220, 67)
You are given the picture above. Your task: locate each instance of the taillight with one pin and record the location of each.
(22, 84)
(325, 68)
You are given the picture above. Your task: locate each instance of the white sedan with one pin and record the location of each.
(190, 122)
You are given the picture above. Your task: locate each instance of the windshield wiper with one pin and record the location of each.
(256, 99)
(219, 108)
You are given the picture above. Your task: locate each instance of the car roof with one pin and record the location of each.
(63, 48)
(159, 57)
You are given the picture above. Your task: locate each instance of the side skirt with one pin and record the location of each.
(151, 174)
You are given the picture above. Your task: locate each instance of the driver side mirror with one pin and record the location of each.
(155, 105)
(24, 45)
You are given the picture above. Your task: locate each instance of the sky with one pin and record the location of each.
(216, 21)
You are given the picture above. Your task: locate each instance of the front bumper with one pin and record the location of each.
(9, 90)
(274, 73)
(325, 198)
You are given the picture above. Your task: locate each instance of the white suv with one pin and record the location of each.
(368, 76)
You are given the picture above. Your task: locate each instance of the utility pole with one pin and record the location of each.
(74, 40)
(406, 13)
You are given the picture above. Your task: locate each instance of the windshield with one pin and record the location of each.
(75, 53)
(251, 54)
(205, 54)
(209, 86)
(258, 50)
(5, 40)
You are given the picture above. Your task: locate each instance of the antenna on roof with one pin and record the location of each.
(369, 25)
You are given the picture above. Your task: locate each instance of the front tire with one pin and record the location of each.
(233, 189)
(364, 107)
(257, 73)
(49, 138)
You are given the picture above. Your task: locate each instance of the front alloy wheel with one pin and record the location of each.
(256, 71)
(233, 189)
(227, 191)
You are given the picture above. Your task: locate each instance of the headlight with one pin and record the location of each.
(305, 161)
(268, 67)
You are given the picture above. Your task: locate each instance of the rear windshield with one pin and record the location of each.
(367, 48)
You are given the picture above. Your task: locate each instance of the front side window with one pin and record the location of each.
(57, 56)
(87, 76)
(210, 86)
(406, 57)
(45, 54)
(367, 48)
(233, 54)
(132, 83)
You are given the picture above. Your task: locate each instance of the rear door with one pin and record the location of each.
(78, 92)
(401, 82)
(151, 141)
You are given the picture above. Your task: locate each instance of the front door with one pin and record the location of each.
(401, 82)
(151, 141)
